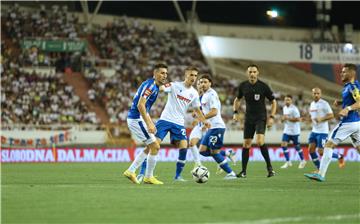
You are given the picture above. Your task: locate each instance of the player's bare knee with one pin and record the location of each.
(283, 144)
(213, 152)
(312, 148)
(321, 151)
(260, 143)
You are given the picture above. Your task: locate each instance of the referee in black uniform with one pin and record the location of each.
(255, 91)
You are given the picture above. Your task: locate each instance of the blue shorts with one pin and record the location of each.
(293, 138)
(214, 138)
(318, 138)
(177, 132)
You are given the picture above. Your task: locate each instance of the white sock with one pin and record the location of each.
(196, 155)
(325, 161)
(150, 165)
(139, 159)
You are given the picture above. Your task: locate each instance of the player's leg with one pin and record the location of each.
(162, 128)
(312, 149)
(151, 164)
(260, 141)
(195, 137)
(182, 145)
(338, 135)
(249, 131)
(230, 154)
(295, 140)
(178, 136)
(214, 140)
(284, 144)
(335, 155)
(139, 130)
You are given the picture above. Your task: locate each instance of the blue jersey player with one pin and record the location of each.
(349, 125)
(139, 121)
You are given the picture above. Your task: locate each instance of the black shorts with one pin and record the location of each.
(254, 125)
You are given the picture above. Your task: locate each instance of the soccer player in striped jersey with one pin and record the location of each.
(139, 121)
(291, 118)
(214, 138)
(320, 113)
(349, 125)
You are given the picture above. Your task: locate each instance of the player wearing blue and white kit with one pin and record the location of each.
(349, 125)
(320, 113)
(291, 118)
(181, 96)
(214, 138)
(139, 122)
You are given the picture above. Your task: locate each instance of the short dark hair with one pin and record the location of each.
(350, 66)
(288, 95)
(191, 68)
(252, 65)
(207, 76)
(160, 65)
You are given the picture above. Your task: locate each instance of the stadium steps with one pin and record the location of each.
(281, 77)
(81, 87)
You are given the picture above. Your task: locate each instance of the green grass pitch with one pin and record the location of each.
(98, 193)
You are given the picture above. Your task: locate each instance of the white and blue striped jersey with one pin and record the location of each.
(209, 100)
(149, 90)
(180, 98)
(291, 128)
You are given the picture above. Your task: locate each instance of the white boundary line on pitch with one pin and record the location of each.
(292, 219)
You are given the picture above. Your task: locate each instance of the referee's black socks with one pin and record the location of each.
(265, 154)
(245, 158)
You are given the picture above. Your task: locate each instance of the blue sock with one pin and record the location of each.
(223, 152)
(181, 162)
(222, 162)
(335, 155)
(300, 151)
(286, 153)
(143, 168)
(315, 159)
(205, 153)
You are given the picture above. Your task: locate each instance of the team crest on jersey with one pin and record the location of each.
(257, 97)
(147, 92)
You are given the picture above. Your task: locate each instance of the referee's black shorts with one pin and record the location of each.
(252, 125)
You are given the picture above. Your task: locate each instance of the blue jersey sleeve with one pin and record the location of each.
(148, 89)
(355, 91)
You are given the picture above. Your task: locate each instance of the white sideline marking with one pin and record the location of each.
(292, 219)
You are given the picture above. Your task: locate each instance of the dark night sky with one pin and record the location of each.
(295, 14)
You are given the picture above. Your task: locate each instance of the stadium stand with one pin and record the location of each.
(131, 47)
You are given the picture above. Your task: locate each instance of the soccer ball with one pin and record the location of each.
(200, 174)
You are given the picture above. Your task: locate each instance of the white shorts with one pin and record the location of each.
(197, 132)
(139, 130)
(344, 130)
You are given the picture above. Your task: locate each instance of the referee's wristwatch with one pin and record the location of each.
(236, 112)
(272, 116)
